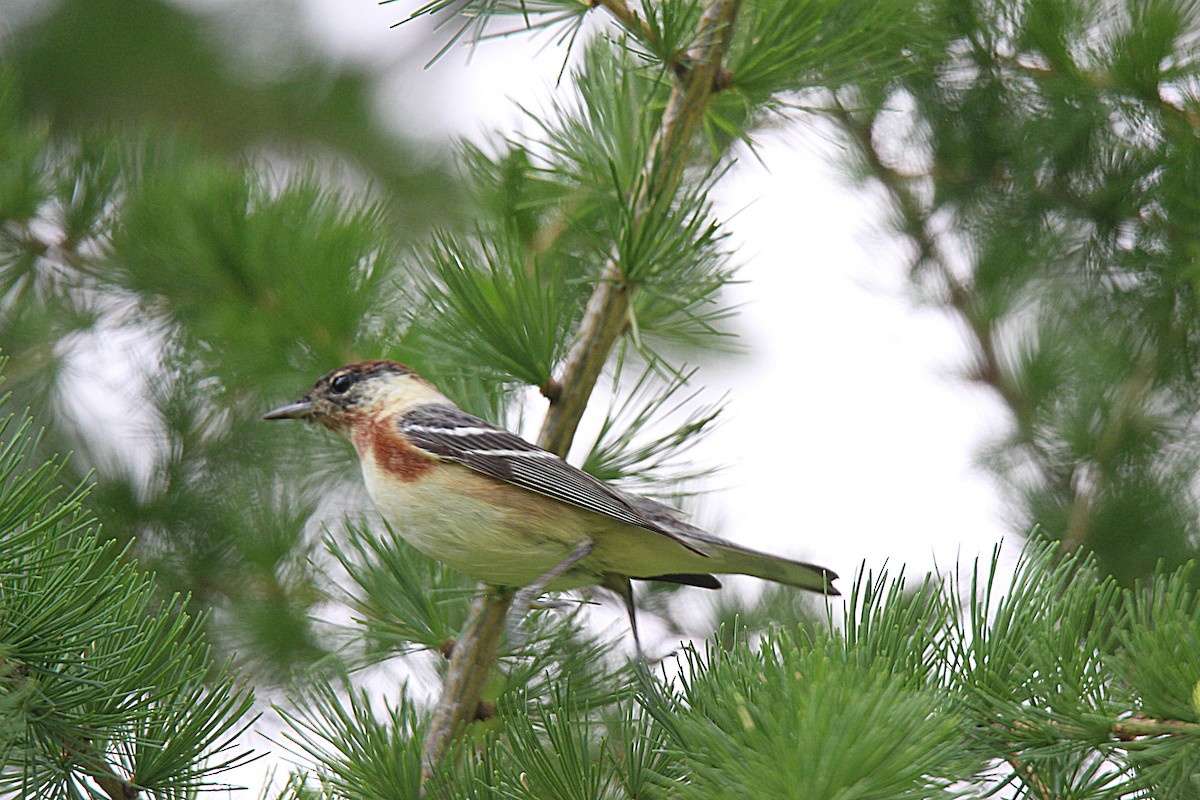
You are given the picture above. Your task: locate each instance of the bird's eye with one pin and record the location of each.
(341, 384)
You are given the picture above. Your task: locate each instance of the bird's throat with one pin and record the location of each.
(381, 447)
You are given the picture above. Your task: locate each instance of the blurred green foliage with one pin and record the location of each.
(238, 78)
(192, 231)
(198, 215)
(103, 684)
(1042, 163)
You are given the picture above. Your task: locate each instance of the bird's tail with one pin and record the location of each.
(728, 557)
(724, 557)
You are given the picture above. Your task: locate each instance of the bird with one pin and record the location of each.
(508, 513)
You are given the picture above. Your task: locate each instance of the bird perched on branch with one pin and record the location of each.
(506, 512)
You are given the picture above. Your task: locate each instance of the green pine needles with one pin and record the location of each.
(104, 692)
(1062, 685)
(222, 231)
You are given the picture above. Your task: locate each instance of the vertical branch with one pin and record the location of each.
(604, 320)
(960, 297)
(470, 665)
(607, 313)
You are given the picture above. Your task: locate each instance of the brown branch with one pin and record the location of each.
(84, 753)
(80, 750)
(961, 299)
(604, 320)
(470, 665)
(629, 20)
(1029, 777)
(115, 787)
(1127, 730)
(960, 296)
(607, 313)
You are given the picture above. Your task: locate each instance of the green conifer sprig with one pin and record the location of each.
(957, 687)
(474, 17)
(1040, 172)
(492, 312)
(102, 688)
(640, 445)
(862, 726)
(356, 747)
(402, 599)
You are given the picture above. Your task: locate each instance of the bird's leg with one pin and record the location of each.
(525, 597)
(624, 589)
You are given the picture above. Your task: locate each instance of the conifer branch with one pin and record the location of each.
(607, 313)
(15, 679)
(605, 319)
(1126, 730)
(471, 663)
(639, 28)
(1029, 777)
(112, 784)
(629, 20)
(915, 225)
(960, 296)
(1135, 727)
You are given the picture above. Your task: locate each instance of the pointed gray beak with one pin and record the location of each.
(301, 409)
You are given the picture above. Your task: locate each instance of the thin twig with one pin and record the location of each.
(605, 319)
(99, 769)
(1137, 726)
(961, 297)
(81, 750)
(629, 20)
(639, 28)
(1030, 777)
(1126, 730)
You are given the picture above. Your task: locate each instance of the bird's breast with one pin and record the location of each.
(494, 532)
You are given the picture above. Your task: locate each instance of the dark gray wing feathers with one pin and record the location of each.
(451, 433)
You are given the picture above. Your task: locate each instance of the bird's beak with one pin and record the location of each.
(302, 409)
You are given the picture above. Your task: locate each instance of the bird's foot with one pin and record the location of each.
(525, 598)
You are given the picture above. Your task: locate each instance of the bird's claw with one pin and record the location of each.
(523, 603)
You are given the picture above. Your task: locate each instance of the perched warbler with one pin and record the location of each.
(506, 512)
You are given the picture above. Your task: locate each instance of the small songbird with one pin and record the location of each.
(506, 512)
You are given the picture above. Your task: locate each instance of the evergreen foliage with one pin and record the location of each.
(1040, 156)
(220, 278)
(957, 687)
(104, 691)
(1041, 160)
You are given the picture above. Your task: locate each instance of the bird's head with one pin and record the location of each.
(355, 392)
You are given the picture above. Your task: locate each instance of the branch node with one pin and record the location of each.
(446, 648)
(551, 390)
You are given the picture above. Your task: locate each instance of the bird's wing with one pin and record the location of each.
(452, 434)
